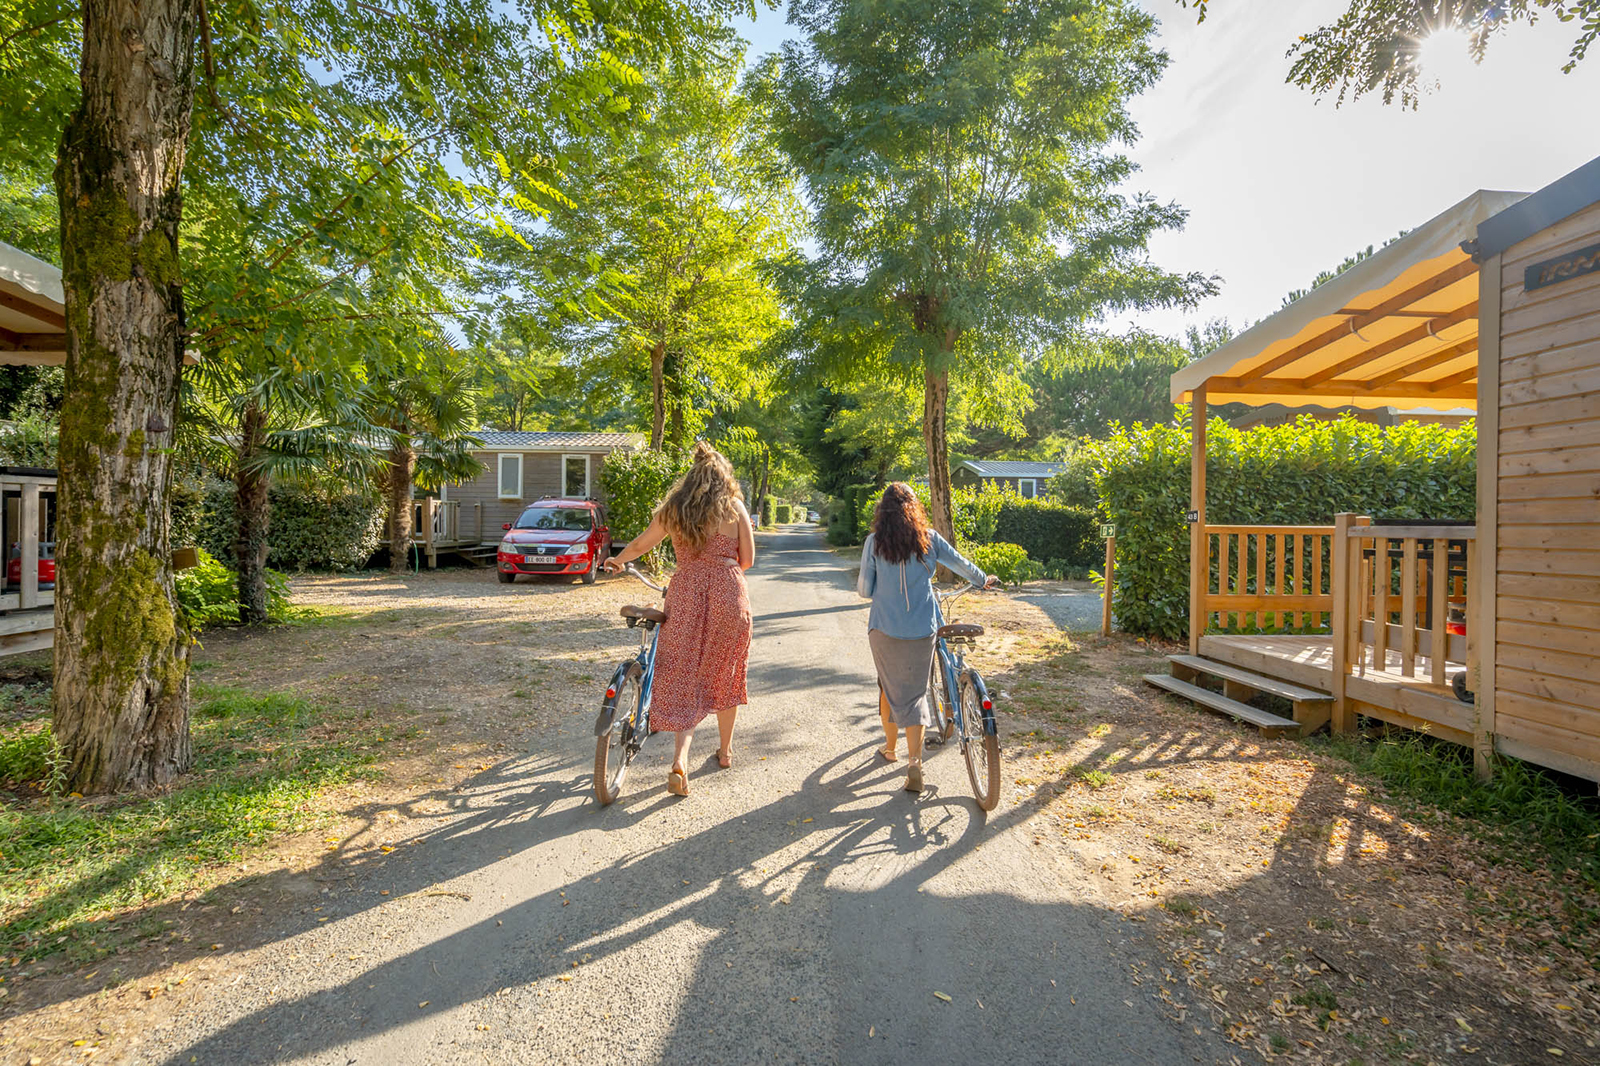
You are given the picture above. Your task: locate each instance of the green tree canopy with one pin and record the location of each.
(968, 205)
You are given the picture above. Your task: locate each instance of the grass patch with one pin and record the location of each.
(261, 762)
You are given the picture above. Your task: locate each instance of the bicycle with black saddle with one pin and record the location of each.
(962, 706)
(623, 724)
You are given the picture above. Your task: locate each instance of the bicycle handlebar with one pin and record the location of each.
(636, 572)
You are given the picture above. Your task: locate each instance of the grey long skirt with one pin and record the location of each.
(903, 667)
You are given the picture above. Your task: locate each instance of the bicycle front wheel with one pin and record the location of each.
(982, 750)
(943, 723)
(616, 749)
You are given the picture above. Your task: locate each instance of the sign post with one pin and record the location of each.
(1110, 533)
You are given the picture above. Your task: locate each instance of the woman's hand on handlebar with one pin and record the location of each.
(991, 582)
(614, 565)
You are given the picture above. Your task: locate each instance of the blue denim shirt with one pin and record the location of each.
(903, 603)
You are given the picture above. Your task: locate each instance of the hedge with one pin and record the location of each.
(783, 513)
(1008, 562)
(768, 510)
(1067, 536)
(1303, 473)
(634, 483)
(310, 530)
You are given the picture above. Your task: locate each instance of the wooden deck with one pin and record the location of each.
(1387, 694)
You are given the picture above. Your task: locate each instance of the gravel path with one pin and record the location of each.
(800, 908)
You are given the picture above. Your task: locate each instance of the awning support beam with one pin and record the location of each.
(1405, 340)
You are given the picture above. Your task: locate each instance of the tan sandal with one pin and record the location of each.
(887, 755)
(678, 782)
(914, 778)
(725, 759)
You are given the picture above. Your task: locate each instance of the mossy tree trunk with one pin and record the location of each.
(402, 469)
(121, 697)
(254, 512)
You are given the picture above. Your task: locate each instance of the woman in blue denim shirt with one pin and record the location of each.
(897, 567)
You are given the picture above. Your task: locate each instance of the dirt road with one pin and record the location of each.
(799, 908)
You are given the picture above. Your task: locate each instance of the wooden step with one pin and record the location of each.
(1258, 682)
(1271, 725)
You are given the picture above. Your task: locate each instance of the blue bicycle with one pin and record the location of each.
(962, 707)
(623, 724)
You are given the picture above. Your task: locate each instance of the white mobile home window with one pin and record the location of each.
(575, 476)
(1027, 488)
(510, 476)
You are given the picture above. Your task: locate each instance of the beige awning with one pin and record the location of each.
(1397, 330)
(33, 314)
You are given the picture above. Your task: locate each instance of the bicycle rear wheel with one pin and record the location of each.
(616, 749)
(982, 750)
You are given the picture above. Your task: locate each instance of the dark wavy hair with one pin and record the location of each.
(900, 525)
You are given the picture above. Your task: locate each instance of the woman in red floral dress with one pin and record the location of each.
(701, 653)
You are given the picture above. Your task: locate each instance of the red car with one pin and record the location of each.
(555, 536)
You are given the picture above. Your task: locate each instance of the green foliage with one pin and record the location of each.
(783, 514)
(976, 511)
(312, 529)
(260, 766)
(967, 212)
(30, 441)
(1067, 536)
(186, 509)
(208, 594)
(1008, 562)
(635, 483)
(768, 511)
(1303, 473)
(27, 756)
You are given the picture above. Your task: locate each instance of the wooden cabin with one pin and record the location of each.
(518, 468)
(1487, 634)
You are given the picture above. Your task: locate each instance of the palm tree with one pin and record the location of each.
(257, 424)
(425, 409)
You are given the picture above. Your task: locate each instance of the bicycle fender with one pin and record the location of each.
(989, 727)
(608, 706)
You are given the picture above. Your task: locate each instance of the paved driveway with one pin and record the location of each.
(799, 908)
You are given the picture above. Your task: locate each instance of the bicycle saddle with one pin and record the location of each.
(961, 629)
(647, 614)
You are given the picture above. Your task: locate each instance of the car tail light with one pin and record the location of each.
(988, 704)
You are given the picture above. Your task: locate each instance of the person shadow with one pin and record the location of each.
(844, 921)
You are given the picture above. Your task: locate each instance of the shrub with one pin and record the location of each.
(783, 513)
(208, 594)
(768, 510)
(310, 530)
(1050, 530)
(186, 509)
(1008, 562)
(30, 757)
(1298, 474)
(30, 441)
(634, 483)
(863, 501)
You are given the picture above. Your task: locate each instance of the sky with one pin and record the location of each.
(1281, 186)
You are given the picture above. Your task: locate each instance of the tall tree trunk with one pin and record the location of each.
(254, 516)
(672, 374)
(121, 695)
(658, 393)
(402, 468)
(935, 407)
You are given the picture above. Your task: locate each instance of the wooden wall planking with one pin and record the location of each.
(1546, 502)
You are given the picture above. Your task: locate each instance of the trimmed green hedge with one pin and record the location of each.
(309, 531)
(1008, 562)
(768, 510)
(783, 514)
(1068, 536)
(1298, 474)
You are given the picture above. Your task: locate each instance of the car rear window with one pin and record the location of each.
(574, 518)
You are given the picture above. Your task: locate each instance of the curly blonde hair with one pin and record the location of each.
(702, 499)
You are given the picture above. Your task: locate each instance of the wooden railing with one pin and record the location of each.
(436, 522)
(26, 529)
(1404, 584)
(1269, 578)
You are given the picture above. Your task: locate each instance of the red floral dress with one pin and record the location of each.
(700, 657)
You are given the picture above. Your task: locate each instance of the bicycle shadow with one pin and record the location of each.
(770, 895)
